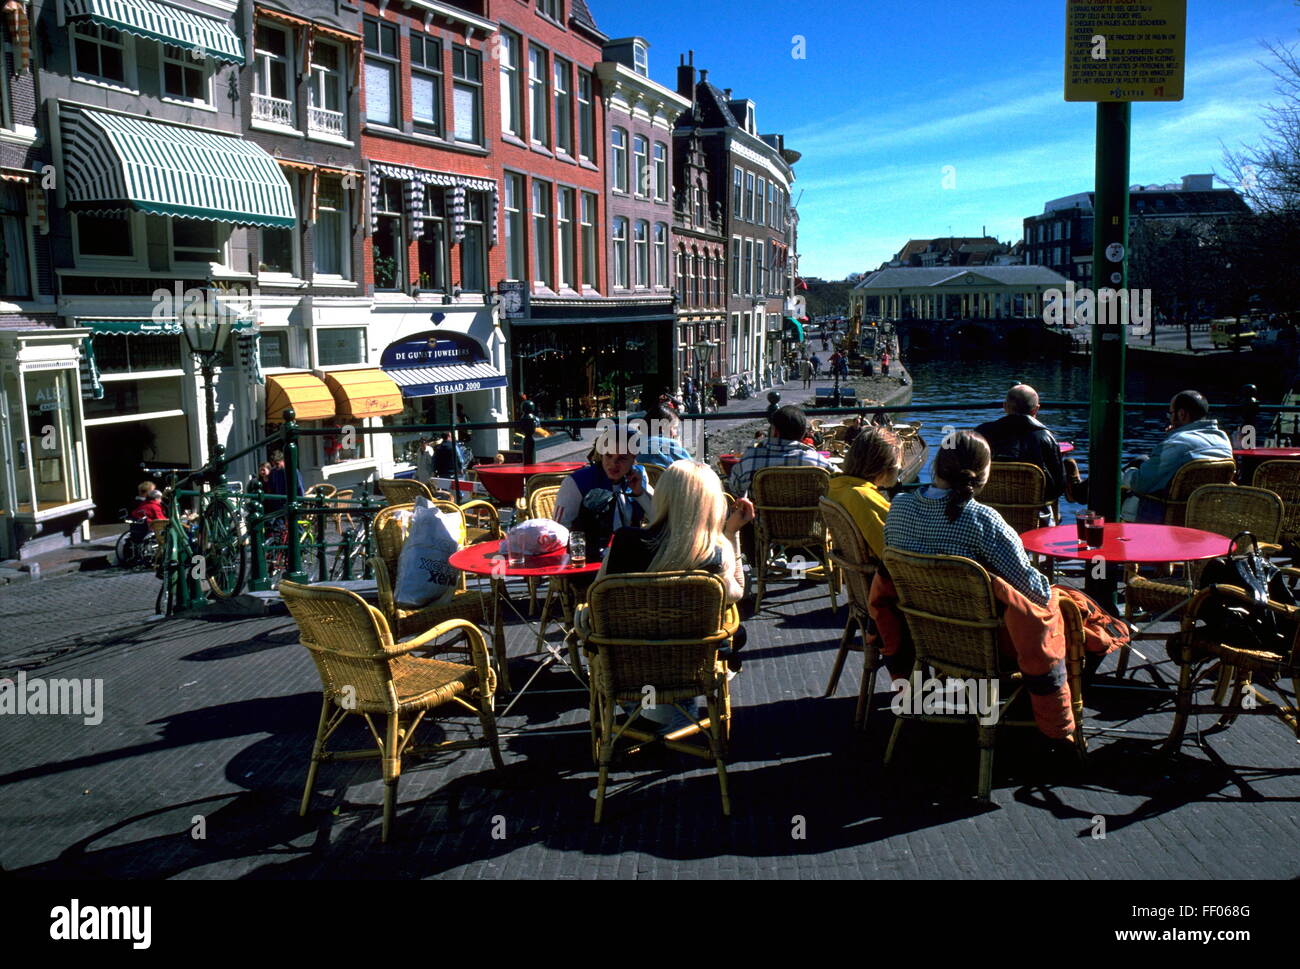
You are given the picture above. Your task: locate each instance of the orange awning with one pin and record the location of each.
(310, 399)
(364, 393)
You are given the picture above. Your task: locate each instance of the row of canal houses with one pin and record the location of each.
(419, 204)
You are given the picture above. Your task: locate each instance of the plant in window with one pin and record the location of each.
(385, 269)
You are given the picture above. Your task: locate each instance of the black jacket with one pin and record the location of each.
(1019, 437)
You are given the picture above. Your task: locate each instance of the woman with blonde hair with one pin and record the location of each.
(872, 465)
(688, 530)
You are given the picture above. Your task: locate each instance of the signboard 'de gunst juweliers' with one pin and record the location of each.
(1125, 50)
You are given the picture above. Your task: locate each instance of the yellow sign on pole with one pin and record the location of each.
(1125, 50)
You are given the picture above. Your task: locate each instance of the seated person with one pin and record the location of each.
(1020, 436)
(1191, 435)
(689, 530)
(873, 464)
(148, 503)
(943, 518)
(610, 493)
(662, 448)
(785, 446)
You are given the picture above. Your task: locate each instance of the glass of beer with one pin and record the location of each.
(577, 549)
(1096, 531)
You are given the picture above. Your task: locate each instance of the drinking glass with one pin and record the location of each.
(1081, 524)
(1096, 531)
(514, 548)
(577, 549)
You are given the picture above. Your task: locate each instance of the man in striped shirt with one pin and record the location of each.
(784, 446)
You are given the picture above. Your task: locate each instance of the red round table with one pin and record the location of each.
(1065, 446)
(505, 482)
(1124, 542)
(728, 461)
(1267, 453)
(486, 559)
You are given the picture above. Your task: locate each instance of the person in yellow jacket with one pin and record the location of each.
(872, 465)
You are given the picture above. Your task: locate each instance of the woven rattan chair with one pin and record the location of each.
(402, 491)
(389, 531)
(952, 616)
(1187, 479)
(322, 489)
(363, 671)
(547, 479)
(1226, 510)
(1018, 492)
(541, 504)
(1283, 479)
(1239, 673)
(856, 567)
(343, 497)
(661, 631)
(482, 521)
(787, 515)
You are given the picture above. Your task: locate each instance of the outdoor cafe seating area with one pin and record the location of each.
(610, 645)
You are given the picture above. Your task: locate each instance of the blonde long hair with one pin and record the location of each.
(689, 509)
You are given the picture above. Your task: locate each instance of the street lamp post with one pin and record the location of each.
(702, 350)
(206, 336)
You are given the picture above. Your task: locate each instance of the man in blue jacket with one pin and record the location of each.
(1192, 435)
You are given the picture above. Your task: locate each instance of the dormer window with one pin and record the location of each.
(640, 59)
(749, 120)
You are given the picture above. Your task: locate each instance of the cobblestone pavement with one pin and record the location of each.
(215, 720)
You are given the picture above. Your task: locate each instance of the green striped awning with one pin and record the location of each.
(146, 326)
(202, 36)
(795, 328)
(115, 161)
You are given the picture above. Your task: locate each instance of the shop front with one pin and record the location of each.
(44, 484)
(592, 359)
(444, 377)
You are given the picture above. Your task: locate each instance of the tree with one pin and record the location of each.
(1268, 176)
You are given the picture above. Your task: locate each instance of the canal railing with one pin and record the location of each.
(221, 539)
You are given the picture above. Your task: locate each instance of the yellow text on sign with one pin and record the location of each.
(1125, 50)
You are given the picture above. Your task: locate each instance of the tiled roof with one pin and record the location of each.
(581, 13)
(715, 107)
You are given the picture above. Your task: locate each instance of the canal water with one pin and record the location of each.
(938, 381)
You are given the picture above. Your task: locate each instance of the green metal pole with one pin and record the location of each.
(1109, 336)
(293, 571)
(1110, 240)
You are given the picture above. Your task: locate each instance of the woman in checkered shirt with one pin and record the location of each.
(943, 518)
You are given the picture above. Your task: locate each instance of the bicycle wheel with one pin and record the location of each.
(125, 550)
(222, 549)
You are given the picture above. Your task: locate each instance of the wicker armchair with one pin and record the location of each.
(1223, 509)
(546, 479)
(856, 567)
(1018, 492)
(363, 671)
(482, 521)
(1239, 672)
(1283, 479)
(952, 615)
(786, 507)
(1187, 479)
(388, 533)
(661, 631)
(541, 504)
(402, 491)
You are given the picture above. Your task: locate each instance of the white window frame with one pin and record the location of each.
(543, 217)
(539, 123)
(661, 171)
(223, 230)
(618, 159)
(619, 231)
(138, 258)
(510, 81)
(476, 87)
(641, 252)
(295, 272)
(737, 193)
(186, 63)
(513, 207)
(392, 62)
(562, 100)
(261, 76)
(130, 81)
(345, 242)
(438, 126)
(588, 212)
(661, 255)
(735, 265)
(641, 165)
(552, 10)
(566, 223)
(586, 116)
(402, 269)
(640, 59)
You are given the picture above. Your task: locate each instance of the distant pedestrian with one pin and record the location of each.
(807, 373)
(817, 365)
(884, 363)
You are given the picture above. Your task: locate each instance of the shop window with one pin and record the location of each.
(330, 448)
(340, 345)
(119, 353)
(273, 349)
(48, 438)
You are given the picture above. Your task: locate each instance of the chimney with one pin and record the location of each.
(727, 92)
(686, 77)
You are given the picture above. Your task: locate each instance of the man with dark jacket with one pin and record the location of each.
(1020, 436)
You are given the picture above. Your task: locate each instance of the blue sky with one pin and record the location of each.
(890, 93)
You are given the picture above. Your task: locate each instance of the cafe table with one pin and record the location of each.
(1125, 543)
(487, 560)
(1248, 459)
(506, 482)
